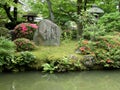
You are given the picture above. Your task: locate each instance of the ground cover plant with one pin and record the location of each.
(58, 59)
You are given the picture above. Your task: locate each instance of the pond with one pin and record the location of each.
(85, 80)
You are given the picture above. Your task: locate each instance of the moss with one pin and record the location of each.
(56, 52)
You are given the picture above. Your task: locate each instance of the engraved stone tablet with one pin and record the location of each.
(48, 33)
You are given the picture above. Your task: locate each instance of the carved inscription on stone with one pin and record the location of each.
(47, 34)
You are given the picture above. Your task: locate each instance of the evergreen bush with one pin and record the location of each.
(4, 32)
(24, 44)
(111, 21)
(7, 49)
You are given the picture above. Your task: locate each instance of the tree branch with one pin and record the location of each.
(69, 14)
(50, 10)
(7, 10)
(79, 6)
(85, 5)
(15, 10)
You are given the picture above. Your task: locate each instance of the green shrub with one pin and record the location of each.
(7, 49)
(92, 31)
(17, 62)
(69, 34)
(86, 47)
(107, 23)
(106, 51)
(6, 46)
(25, 59)
(4, 32)
(25, 30)
(5, 61)
(111, 21)
(62, 65)
(24, 44)
(11, 61)
(109, 59)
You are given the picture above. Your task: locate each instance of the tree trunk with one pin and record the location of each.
(79, 24)
(79, 6)
(85, 5)
(12, 17)
(15, 10)
(51, 15)
(7, 10)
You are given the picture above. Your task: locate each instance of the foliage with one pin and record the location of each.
(108, 5)
(69, 34)
(11, 61)
(23, 60)
(4, 32)
(24, 44)
(6, 46)
(25, 30)
(94, 28)
(92, 31)
(106, 51)
(111, 21)
(85, 47)
(3, 18)
(109, 59)
(62, 65)
(17, 62)
(5, 61)
(64, 12)
(6, 5)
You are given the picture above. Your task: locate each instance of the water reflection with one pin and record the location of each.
(13, 86)
(89, 80)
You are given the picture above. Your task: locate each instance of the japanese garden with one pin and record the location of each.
(59, 45)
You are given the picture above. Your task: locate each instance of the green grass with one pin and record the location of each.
(66, 48)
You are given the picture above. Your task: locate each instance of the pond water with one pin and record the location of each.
(85, 80)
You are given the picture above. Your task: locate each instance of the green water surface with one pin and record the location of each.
(85, 80)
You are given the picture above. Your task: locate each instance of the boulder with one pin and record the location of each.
(88, 61)
(71, 25)
(48, 33)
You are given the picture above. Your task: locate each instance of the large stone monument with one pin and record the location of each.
(48, 33)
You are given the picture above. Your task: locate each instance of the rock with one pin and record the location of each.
(77, 51)
(73, 57)
(71, 25)
(88, 61)
(48, 33)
